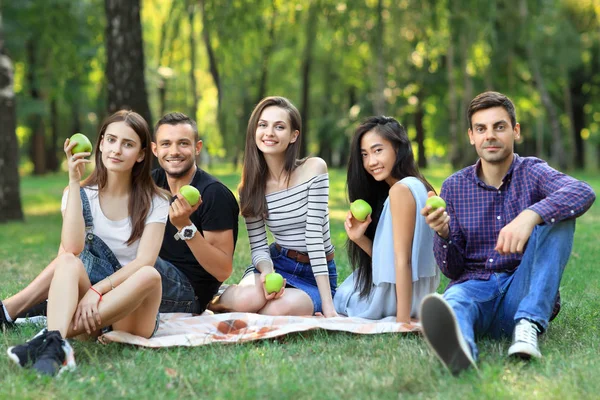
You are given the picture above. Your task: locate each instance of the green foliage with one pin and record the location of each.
(258, 48)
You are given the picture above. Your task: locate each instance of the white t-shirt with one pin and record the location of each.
(116, 233)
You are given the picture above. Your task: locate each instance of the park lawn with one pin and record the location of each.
(317, 364)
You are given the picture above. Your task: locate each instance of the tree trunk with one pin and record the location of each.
(379, 98)
(35, 121)
(419, 115)
(52, 163)
(214, 69)
(268, 50)
(578, 102)
(455, 151)
(558, 152)
(307, 60)
(10, 197)
(193, 84)
(125, 58)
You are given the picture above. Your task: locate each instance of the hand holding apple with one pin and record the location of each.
(360, 209)
(191, 194)
(76, 161)
(273, 282)
(83, 144)
(436, 216)
(435, 202)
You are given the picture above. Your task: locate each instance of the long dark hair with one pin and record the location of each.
(253, 202)
(142, 185)
(361, 185)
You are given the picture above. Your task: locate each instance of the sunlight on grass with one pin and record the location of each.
(43, 208)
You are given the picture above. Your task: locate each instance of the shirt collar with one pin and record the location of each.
(471, 172)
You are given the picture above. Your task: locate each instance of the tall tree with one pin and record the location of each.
(125, 58)
(10, 198)
(307, 59)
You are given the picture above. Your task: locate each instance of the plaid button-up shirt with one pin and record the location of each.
(478, 212)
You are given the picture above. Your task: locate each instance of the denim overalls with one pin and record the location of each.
(97, 258)
(99, 261)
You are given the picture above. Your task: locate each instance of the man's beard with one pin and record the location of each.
(180, 173)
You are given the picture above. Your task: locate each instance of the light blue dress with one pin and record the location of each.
(381, 302)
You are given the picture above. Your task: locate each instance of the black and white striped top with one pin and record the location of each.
(298, 219)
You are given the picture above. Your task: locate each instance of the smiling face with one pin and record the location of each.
(378, 156)
(274, 132)
(493, 135)
(121, 147)
(176, 148)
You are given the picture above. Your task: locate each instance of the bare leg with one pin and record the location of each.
(293, 302)
(69, 283)
(247, 296)
(141, 292)
(33, 294)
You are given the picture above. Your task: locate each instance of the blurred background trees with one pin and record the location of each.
(337, 60)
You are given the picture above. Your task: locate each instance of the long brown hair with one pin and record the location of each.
(142, 186)
(255, 171)
(361, 185)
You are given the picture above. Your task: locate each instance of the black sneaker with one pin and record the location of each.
(4, 323)
(27, 354)
(443, 335)
(56, 357)
(39, 309)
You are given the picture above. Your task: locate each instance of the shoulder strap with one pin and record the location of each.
(87, 211)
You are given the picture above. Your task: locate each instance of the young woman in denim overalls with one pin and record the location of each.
(113, 225)
(290, 197)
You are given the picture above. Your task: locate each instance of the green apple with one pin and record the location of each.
(360, 209)
(435, 202)
(273, 282)
(83, 144)
(191, 194)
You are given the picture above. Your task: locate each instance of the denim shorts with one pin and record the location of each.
(177, 292)
(299, 275)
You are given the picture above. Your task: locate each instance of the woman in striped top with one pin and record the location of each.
(290, 197)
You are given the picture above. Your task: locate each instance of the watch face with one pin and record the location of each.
(188, 233)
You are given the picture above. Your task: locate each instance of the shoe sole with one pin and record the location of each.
(69, 363)
(522, 351)
(443, 336)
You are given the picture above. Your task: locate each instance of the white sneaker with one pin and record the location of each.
(443, 334)
(525, 340)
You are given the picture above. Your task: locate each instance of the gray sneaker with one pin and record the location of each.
(443, 334)
(525, 340)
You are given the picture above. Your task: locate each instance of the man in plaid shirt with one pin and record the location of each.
(503, 239)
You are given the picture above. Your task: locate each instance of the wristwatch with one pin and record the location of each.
(186, 233)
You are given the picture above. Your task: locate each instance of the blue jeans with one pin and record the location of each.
(177, 292)
(299, 275)
(494, 306)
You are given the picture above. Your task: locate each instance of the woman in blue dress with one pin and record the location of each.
(391, 252)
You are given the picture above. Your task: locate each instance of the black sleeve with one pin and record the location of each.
(219, 209)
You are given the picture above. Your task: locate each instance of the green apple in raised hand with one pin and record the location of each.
(360, 209)
(83, 144)
(191, 194)
(273, 282)
(435, 202)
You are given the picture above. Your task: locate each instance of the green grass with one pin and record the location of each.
(318, 364)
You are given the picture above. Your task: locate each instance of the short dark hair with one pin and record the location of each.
(490, 99)
(176, 118)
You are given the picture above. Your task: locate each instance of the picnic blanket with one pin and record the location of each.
(178, 329)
